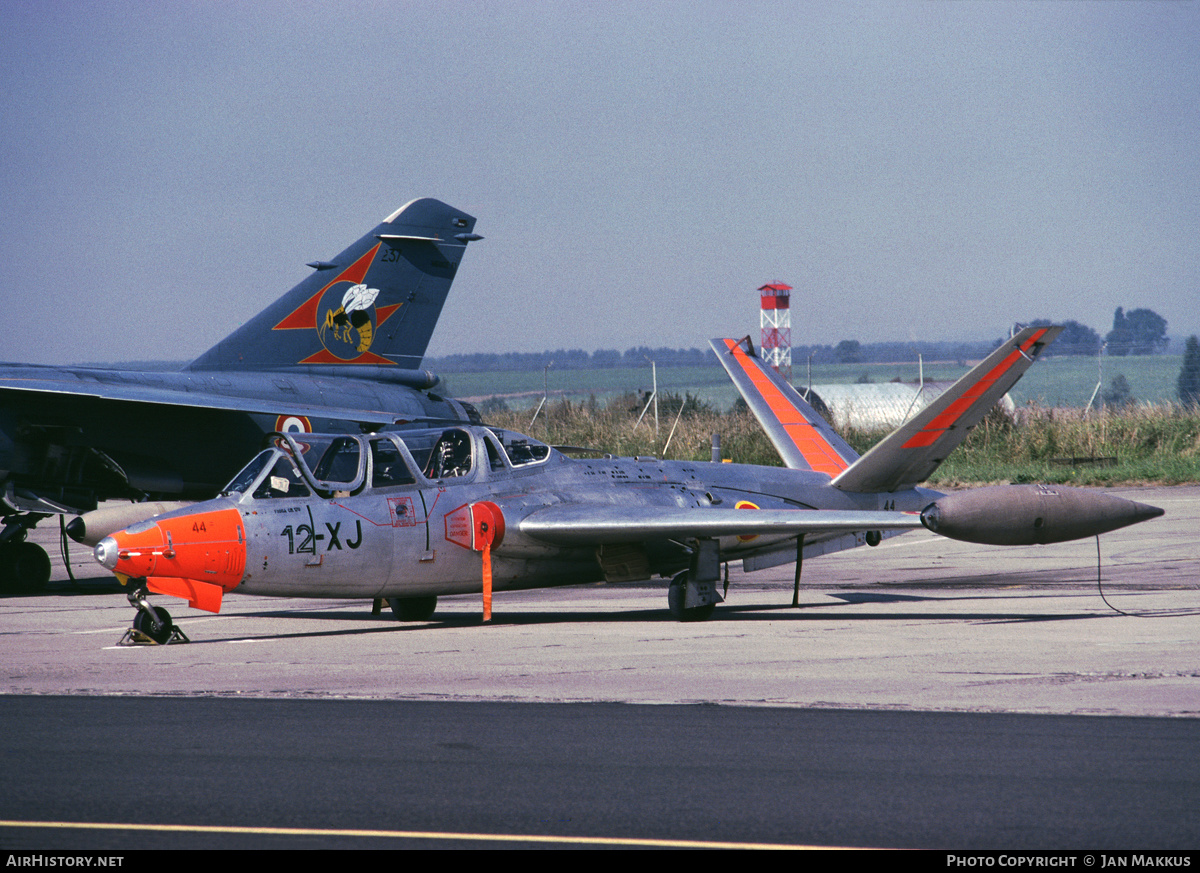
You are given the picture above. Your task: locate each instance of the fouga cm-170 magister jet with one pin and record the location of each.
(463, 509)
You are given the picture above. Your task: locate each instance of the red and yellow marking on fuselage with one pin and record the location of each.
(746, 504)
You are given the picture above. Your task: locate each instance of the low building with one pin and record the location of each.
(876, 406)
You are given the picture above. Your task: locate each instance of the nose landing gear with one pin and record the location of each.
(152, 626)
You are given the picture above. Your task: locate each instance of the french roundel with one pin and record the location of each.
(293, 424)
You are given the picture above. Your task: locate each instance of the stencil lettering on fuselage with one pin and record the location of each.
(460, 527)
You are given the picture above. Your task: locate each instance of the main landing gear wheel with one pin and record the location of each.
(413, 608)
(676, 595)
(24, 567)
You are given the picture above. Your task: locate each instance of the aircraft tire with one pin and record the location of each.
(675, 597)
(413, 608)
(142, 623)
(24, 568)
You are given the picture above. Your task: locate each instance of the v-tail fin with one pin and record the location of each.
(376, 303)
(910, 454)
(802, 437)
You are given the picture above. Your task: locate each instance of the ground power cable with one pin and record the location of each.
(64, 549)
(1100, 586)
(1148, 614)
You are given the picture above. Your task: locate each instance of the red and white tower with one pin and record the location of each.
(777, 327)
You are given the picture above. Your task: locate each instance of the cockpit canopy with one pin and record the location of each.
(329, 465)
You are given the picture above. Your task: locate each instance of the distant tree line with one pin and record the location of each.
(847, 351)
(570, 359)
(1076, 338)
(854, 352)
(1136, 332)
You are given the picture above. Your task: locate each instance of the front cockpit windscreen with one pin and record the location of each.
(292, 468)
(284, 481)
(272, 473)
(249, 473)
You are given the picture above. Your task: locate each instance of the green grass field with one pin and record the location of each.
(1053, 440)
(1138, 444)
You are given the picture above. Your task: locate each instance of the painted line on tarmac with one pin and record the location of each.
(409, 835)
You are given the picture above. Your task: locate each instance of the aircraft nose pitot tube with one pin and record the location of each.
(1022, 515)
(207, 549)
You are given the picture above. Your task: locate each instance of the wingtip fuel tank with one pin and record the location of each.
(91, 527)
(1022, 515)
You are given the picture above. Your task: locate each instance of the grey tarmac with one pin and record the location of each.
(917, 623)
(926, 694)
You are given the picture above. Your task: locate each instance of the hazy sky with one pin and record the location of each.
(914, 169)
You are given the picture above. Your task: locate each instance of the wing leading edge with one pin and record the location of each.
(578, 525)
(199, 400)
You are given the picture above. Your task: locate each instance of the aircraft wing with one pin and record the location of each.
(802, 437)
(64, 383)
(910, 454)
(578, 525)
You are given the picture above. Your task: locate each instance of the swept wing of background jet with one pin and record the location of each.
(339, 352)
(462, 509)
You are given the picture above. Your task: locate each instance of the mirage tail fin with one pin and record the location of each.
(802, 437)
(910, 454)
(375, 304)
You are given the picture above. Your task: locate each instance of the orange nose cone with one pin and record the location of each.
(207, 547)
(133, 551)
